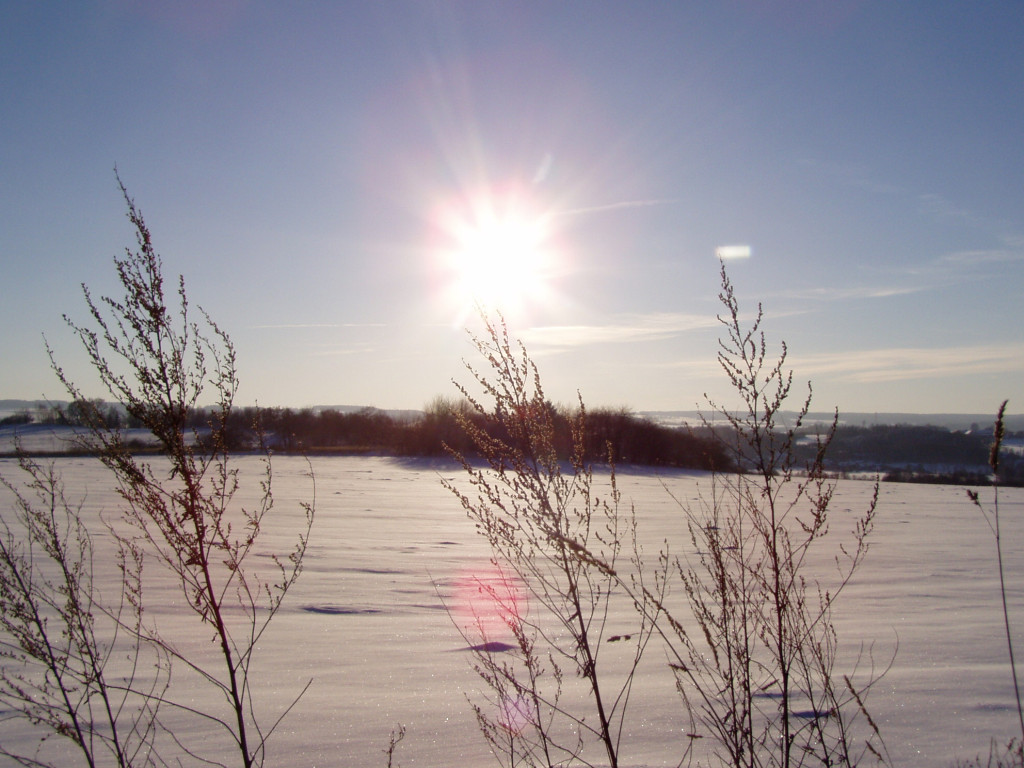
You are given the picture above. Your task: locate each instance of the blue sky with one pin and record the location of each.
(322, 173)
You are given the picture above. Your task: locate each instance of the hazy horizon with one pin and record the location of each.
(338, 182)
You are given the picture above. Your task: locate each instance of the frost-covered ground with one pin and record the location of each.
(367, 623)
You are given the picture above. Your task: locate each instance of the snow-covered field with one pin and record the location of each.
(46, 438)
(367, 623)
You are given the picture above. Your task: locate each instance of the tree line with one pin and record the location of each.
(610, 434)
(913, 453)
(899, 452)
(616, 435)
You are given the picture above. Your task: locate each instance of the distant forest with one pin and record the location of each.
(895, 452)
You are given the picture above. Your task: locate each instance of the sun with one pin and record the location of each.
(498, 253)
(499, 261)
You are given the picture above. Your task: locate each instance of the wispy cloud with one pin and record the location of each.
(939, 207)
(838, 293)
(853, 175)
(1003, 232)
(959, 266)
(341, 352)
(1006, 234)
(617, 206)
(994, 256)
(900, 364)
(626, 329)
(299, 326)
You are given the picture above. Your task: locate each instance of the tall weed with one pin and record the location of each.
(755, 660)
(754, 657)
(556, 546)
(991, 516)
(181, 512)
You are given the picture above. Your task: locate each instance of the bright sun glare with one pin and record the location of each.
(499, 254)
(499, 261)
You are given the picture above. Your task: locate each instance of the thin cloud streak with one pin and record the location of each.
(884, 366)
(624, 204)
(904, 364)
(995, 256)
(1005, 232)
(957, 266)
(630, 328)
(340, 352)
(300, 326)
(852, 293)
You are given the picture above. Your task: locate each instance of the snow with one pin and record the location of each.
(367, 620)
(47, 438)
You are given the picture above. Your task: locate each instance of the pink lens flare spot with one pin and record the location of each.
(515, 715)
(488, 602)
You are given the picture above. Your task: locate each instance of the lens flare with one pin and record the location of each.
(733, 252)
(514, 715)
(488, 604)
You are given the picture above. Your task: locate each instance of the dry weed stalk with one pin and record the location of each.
(758, 668)
(556, 538)
(991, 516)
(180, 511)
(54, 674)
(755, 663)
(1009, 755)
